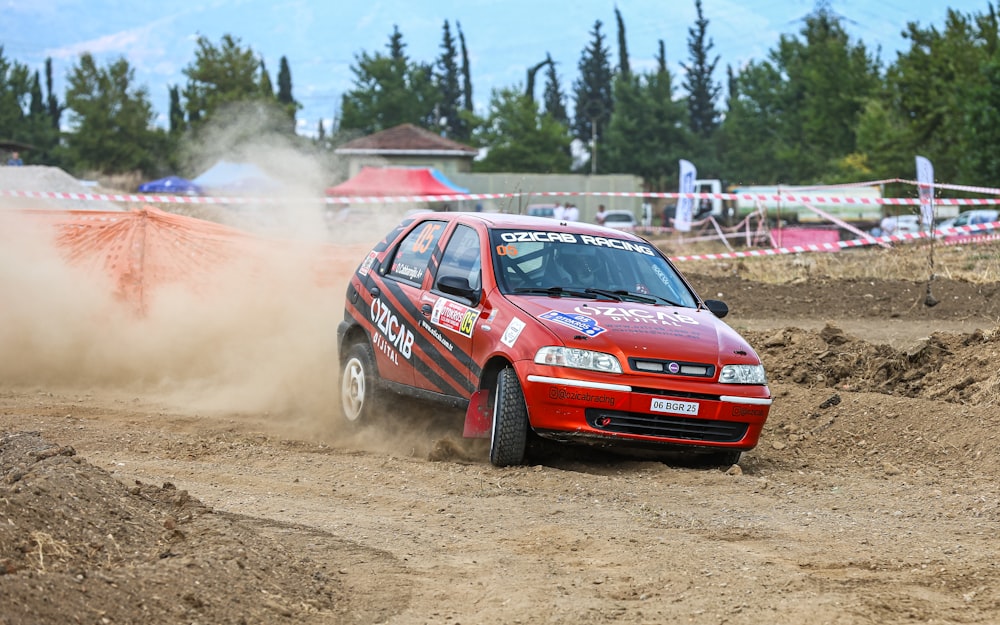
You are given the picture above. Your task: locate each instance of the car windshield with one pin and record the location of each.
(562, 264)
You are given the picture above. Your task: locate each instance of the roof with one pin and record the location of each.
(516, 221)
(406, 139)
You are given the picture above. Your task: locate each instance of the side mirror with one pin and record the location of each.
(717, 307)
(458, 286)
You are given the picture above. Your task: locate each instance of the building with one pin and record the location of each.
(407, 145)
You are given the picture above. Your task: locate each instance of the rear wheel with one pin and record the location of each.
(358, 401)
(509, 435)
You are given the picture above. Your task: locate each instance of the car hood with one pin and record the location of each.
(629, 329)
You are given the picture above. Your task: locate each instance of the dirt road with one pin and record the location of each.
(230, 494)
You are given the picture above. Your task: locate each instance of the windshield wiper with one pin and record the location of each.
(645, 298)
(622, 295)
(555, 291)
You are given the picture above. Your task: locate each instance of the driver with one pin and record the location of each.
(582, 265)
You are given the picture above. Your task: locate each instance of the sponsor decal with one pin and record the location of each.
(393, 334)
(578, 321)
(617, 244)
(637, 315)
(512, 332)
(662, 276)
(544, 236)
(526, 236)
(748, 411)
(436, 334)
(454, 316)
(673, 406)
(408, 271)
(573, 394)
(366, 265)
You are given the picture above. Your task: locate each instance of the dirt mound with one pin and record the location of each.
(41, 179)
(948, 367)
(79, 546)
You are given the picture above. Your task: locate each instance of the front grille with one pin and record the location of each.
(666, 426)
(672, 367)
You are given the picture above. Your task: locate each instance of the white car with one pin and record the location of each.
(975, 217)
(620, 220)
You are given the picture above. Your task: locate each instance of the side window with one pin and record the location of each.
(415, 251)
(462, 257)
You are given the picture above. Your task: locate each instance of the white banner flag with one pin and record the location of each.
(925, 183)
(685, 205)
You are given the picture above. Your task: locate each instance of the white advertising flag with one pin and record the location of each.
(925, 183)
(685, 203)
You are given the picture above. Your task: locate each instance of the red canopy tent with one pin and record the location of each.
(394, 181)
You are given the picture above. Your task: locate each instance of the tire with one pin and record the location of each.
(509, 435)
(722, 459)
(359, 401)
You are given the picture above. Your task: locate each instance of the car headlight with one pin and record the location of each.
(742, 374)
(577, 359)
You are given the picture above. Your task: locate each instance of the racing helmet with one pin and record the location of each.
(582, 263)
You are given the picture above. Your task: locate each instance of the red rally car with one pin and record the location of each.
(536, 327)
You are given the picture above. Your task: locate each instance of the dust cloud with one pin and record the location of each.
(257, 335)
(253, 338)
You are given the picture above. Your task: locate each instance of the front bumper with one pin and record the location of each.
(574, 408)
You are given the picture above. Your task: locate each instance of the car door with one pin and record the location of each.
(395, 297)
(449, 320)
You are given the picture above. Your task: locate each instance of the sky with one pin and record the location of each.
(321, 39)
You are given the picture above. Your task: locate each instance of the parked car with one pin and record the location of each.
(975, 217)
(538, 328)
(620, 220)
(542, 210)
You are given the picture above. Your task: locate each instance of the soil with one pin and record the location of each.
(190, 468)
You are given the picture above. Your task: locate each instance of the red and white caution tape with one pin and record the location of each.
(950, 236)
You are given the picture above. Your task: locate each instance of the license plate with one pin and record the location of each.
(674, 407)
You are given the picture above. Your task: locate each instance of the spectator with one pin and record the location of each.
(602, 213)
(15, 160)
(572, 212)
(888, 226)
(559, 211)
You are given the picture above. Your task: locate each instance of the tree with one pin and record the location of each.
(794, 116)
(623, 65)
(750, 138)
(52, 102)
(111, 120)
(519, 139)
(466, 73)
(176, 112)
(15, 91)
(220, 75)
(647, 134)
(553, 99)
(701, 87)
(285, 97)
(389, 90)
(447, 118)
(593, 91)
(529, 89)
(939, 100)
(265, 85)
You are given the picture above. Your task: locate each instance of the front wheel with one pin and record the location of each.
(509, 435)
(722, 459)
(358, 401)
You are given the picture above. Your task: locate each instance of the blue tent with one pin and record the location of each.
(440, 177)
(227, 177)
(171, 184)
